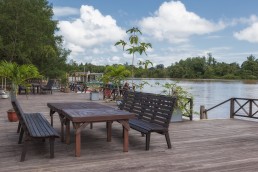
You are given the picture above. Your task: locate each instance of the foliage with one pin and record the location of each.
(65, 80)
(94, 87)
(134, 46)
(115, 74)
(27, 35)
(174, 90)
(145, 63)
(18, 74)
(141, 85)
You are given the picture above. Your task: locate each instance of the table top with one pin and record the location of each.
(97, 115)
(76, 105)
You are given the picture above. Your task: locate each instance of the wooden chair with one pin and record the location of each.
(21, 89)
(48, 87)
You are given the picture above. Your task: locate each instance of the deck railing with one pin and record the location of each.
(243, 107)
(188, 109)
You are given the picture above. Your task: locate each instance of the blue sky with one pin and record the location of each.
(177, 29)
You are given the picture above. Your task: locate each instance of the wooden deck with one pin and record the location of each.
(208, 145)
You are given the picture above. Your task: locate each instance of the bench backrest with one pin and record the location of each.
(19, 112)
(154, 108)
(132, 102)
(17, 108)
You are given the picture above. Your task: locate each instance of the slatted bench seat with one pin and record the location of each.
(36, 127)
(153, 113)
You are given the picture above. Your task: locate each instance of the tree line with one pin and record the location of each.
(206, 67)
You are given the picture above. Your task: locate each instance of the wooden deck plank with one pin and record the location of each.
(208, 145)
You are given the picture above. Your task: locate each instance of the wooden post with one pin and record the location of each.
(203, 113)
(250, 108)
(232, 107)
(191, 109)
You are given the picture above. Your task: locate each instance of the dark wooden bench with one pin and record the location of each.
(36, 127)
(153, 113)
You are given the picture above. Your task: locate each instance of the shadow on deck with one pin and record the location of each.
(208, 145)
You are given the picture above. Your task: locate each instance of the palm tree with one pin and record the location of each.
(18, 74)
(115, 74)
(146, 63)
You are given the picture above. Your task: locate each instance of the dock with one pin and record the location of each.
(224, 145)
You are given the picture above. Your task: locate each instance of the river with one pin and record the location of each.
(209, 92)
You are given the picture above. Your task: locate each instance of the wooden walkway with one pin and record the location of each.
(203, 146)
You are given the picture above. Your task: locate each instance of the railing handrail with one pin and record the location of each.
(206, 110)
(233, 112)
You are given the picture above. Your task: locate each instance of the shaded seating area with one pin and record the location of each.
(36, 87)
(47, 88)
(31, 86)
(22, 89)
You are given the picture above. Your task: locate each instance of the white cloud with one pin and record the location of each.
(65, 11)
(249, 34)
(113, 48)
(214, 37)
(174, 23)
(243, 20)
(115, 58)
(104, 60)
(90, 32)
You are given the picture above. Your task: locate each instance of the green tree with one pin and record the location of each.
(115, 74)
(134, 46)
(145, 63)
(28, 35)
(250, 68)
(18, 74)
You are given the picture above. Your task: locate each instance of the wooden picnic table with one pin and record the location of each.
(91, 112)
(58, 107)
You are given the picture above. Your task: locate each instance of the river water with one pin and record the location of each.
(209, 93)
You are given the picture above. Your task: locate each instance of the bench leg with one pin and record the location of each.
(109, 131)
(147, 141)
(51, 142)
(21, 135)
(19, 127)
(24, 150)
(168, 140)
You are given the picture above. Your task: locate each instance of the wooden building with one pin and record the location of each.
(84, 76)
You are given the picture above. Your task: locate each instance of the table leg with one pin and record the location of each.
(67, 131)
(51, 116)
(78, 144)
(78, 128)
(109, 130)
(126, 140)
(126, 129)
(62, 120)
